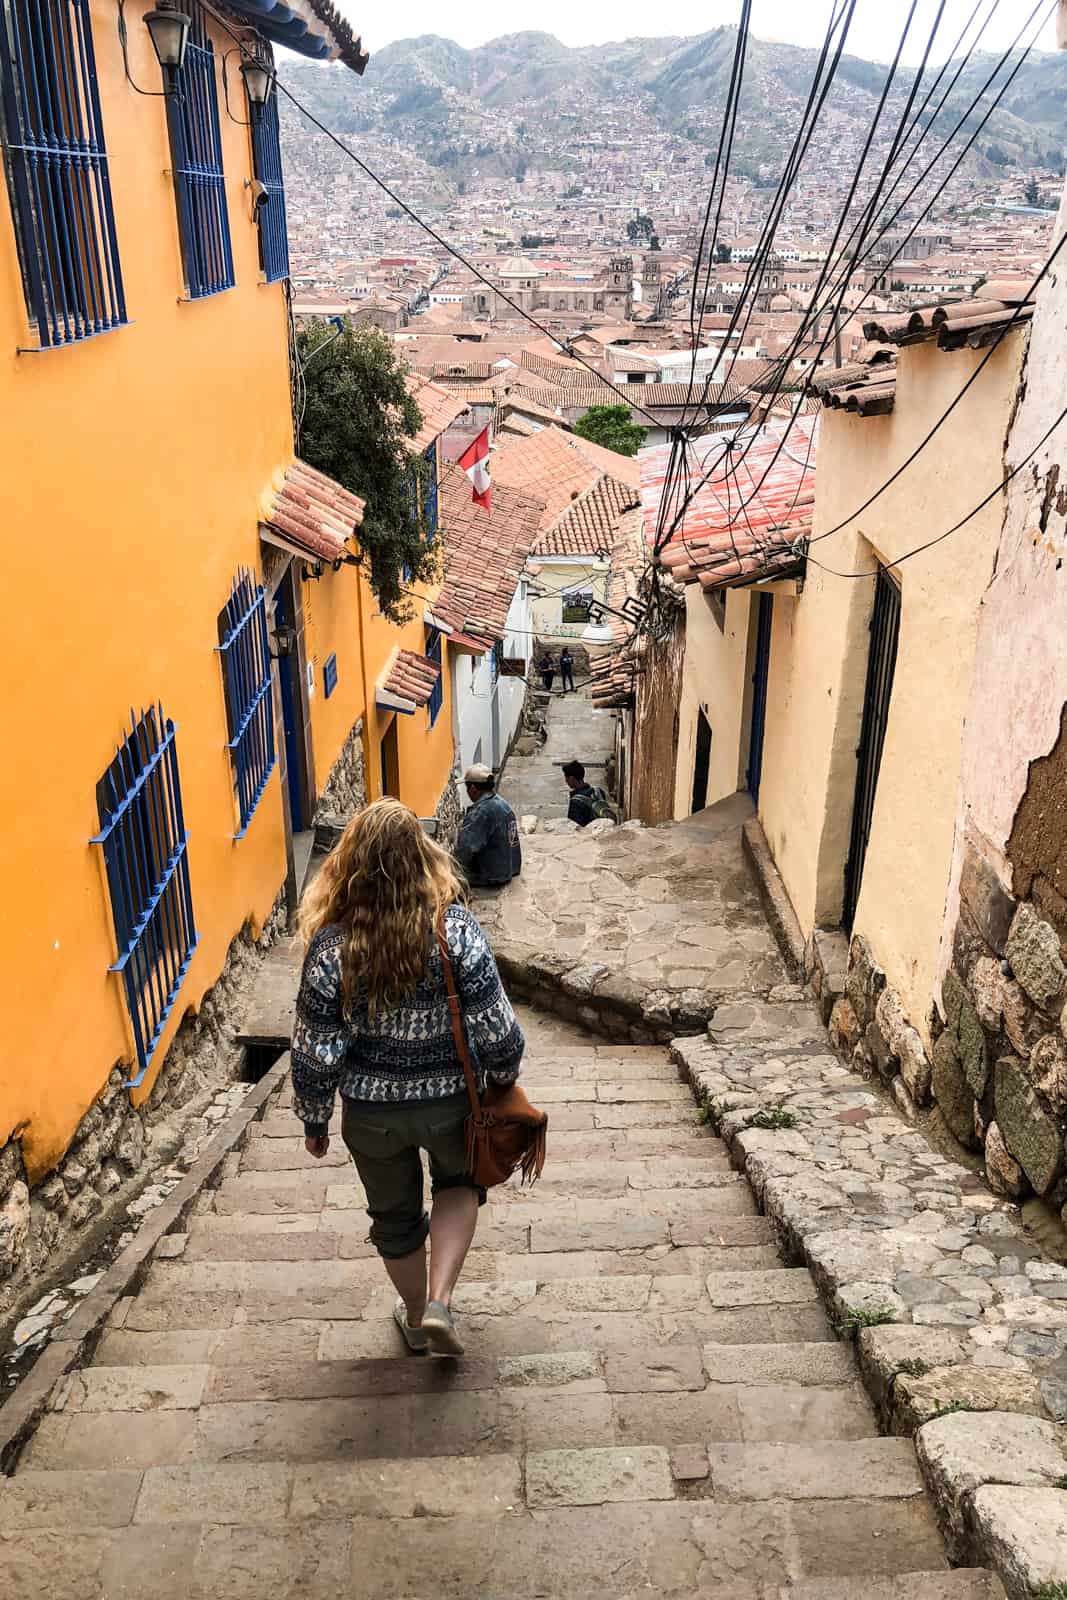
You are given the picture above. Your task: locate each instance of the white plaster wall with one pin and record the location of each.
(556, 574)
(713, 677)
(1020, 671)
(474, 692)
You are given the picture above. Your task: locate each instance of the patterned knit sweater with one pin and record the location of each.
(407, 1053)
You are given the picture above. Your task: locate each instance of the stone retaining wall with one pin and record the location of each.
(111, 1153)
(449, 811)
(961, 1325)
(346, 788)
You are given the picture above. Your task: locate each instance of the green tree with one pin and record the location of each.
(722, 252)
(357, 422)
(611, 426)
(1033, 193)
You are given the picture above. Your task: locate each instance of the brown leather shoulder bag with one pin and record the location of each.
(504, 1131)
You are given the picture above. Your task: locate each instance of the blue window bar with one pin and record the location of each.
(429, 493)
(142, 831)
(57, 170)
(246, 675)
(433, 653)
(267, 166)
(196, 154)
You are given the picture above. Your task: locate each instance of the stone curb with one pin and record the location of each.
(883, 1222)
(74, 1342)
(776, 902)
(604, 1002)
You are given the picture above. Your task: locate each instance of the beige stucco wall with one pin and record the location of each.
(713, 677)
(1020, 674)
(819, 655)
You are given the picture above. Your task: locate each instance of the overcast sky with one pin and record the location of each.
(874, 32)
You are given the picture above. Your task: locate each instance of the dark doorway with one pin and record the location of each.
(760, 674)
(881, 665)
(391, 762)
(292, 687)
(702, 762)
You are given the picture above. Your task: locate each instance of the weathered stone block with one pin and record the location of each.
(1029, 1132)
(960, 1452)
(1048, 1068)
(1034, 953)
(988, 902)
(1003, 1171)
(844, 1026)
(886, 1064)
(1021, 1533)
(916, 1399)
(14, 1227)
(952, 997)
(915, 1069)
(972, 1050)
(951, 1090)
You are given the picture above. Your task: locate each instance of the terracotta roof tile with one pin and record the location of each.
(591, 521)
(410, 677)
(313, 512)
(484, 555)
(952, 323)
(439, 408)
(867, 388)
(718, 542)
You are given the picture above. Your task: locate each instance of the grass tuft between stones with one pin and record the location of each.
(772, 1117)
(857, 1317)
(913, 1367)
(946, 1408)
(1049, 1591)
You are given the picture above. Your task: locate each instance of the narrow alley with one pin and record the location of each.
(653, 1402)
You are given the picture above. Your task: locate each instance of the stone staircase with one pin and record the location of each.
(652, 1404)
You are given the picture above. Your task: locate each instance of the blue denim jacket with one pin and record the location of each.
(488, 845)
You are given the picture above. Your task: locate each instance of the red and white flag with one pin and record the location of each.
(475, 463)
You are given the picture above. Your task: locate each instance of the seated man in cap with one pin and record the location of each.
(488, 845)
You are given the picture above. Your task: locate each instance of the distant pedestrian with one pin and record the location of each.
(586, 803)
(566, 670)
(372, 1019)
(488, 846)
(548, 672)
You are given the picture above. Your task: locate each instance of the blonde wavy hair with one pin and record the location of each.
(384, 885)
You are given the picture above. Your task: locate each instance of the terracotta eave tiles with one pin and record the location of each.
(314, 512)
(410, 677)
(868, 390)
(951, 323)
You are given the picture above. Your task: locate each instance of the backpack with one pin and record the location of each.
(604, 809)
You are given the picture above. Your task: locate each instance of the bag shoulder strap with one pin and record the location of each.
(455, 1014)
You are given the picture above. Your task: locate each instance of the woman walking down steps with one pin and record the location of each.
(372, 1020)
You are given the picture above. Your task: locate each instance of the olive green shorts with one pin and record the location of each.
(384, 1142)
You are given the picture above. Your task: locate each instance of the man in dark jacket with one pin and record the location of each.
(582, 807)
(488, 845)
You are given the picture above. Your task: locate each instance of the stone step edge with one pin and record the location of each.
(530, 1479)
(971, 1477)
(603, 1002)
(72, 1345)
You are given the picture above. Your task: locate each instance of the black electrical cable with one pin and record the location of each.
(963, 153)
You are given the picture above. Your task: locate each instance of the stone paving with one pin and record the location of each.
(651, 1401)
(533, 785)
(961, 1323)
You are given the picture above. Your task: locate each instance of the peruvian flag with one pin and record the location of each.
(475, 463)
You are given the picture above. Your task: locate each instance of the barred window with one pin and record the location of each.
(57, 170)
(196, 155)
(246, 676)
(267, 166)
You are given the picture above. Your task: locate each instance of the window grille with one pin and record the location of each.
(57, 170)
(433, 653)
(429, 493)
(329, 675)
(246, 675)
(142, 831)
(196, 154)
(267, 166)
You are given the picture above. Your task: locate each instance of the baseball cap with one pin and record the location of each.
(479, 773)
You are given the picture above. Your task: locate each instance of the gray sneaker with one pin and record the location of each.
(414, 1338)
(440, 1331)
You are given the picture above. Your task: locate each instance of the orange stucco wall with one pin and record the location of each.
(134, 464)
(332, 627)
